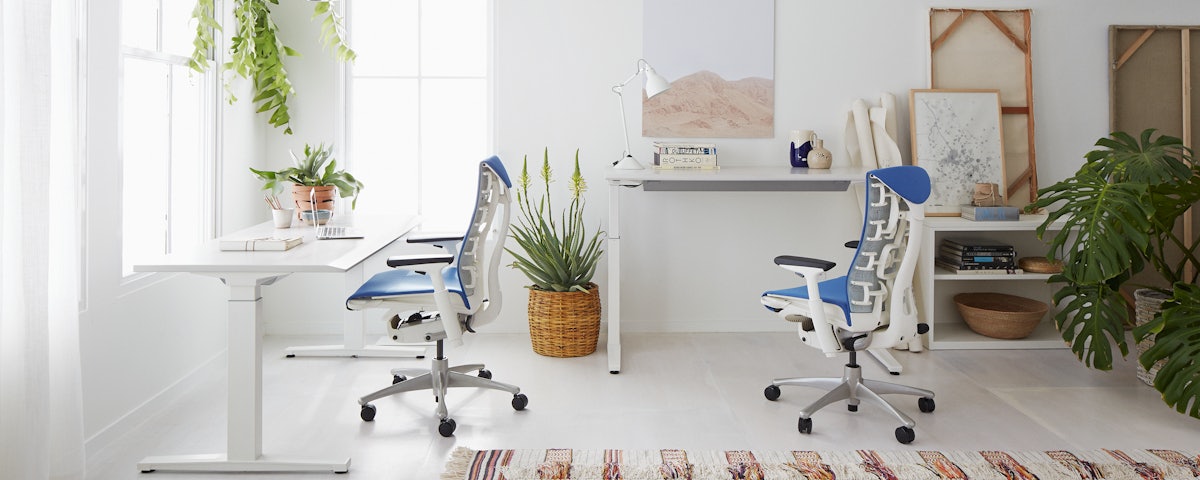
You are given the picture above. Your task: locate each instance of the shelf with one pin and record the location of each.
(959, 224)
(957, 335)
(944, 275)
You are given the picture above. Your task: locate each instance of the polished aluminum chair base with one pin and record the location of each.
(853, 388)
(440, 378)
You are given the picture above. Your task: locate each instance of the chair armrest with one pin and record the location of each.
(792, 261)
(419, 260)
(851, 244)
(434, 237)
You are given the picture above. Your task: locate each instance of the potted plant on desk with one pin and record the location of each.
(1119, 215)
(314, 178)
(559, 257)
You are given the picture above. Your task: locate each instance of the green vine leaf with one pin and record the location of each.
(256, 53)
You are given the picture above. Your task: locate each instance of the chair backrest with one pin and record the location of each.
(478, 260)
(879, 283)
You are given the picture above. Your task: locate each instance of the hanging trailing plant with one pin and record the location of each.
(256, 53)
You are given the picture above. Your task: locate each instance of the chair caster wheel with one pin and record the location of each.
(926, 404)
(805, 425)
(398, 378)
(367, 413)
(484, 373)
(771, 392)
(852, 408)
(905, 435)
(446, 427)
(520, 401)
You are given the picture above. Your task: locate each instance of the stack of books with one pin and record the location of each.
(977, 256)
(685, 155)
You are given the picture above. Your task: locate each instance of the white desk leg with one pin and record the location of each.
(243, 451)
(885, 357)
(354, 330)
(614, 279)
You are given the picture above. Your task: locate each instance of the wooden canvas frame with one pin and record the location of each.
(992, 49)
(957, 136)
(1152, 70)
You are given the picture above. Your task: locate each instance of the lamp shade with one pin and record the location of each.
(655, 83)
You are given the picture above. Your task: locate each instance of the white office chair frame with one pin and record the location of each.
(478, 304)
(881, 306)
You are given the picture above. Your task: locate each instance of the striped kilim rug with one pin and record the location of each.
(466, 464)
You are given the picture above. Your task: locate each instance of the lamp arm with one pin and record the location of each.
(624, 127)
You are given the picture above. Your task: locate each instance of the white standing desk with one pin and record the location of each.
(725, 179)
(244, 274)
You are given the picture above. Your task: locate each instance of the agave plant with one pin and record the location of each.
(557, 253)
(1118, 215)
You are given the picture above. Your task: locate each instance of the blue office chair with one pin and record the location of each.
(464, 289)
(872, 306)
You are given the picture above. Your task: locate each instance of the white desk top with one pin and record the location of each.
(736, 178)
(311, 256)
(740, 173)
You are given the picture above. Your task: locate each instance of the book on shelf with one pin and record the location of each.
(263, 244)
(950, 253)
(685, 148)
(976, 246)
(971, 212)
(977, 270)
(685, 155)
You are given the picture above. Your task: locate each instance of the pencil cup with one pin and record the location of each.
(283, 217)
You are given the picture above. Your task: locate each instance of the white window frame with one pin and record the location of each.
(210, 126)
(344, 123)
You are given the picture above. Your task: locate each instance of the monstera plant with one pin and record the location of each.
(1117, 216)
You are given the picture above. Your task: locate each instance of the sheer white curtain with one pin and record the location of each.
(41, 424)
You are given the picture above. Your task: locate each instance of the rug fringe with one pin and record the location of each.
(457, 465)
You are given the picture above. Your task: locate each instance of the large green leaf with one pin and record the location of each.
(1176, 333)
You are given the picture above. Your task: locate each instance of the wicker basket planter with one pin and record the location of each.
(1147, 303)
(999, 315)
(564, 324)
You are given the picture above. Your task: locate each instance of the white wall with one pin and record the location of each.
(694, 261)
(698, 261)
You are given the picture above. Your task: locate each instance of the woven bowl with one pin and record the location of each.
(999, 315)
(1040, 265)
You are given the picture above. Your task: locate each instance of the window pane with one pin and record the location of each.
(384, 144)
(178, 28)
(187, 166)
(454, 38)
(454, 140)
(384, 35)
(145, 134)
(139, 23)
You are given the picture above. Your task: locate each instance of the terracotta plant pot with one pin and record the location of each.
(324, 198)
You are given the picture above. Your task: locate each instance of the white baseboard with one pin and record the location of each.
(211, 370)
(290, 328)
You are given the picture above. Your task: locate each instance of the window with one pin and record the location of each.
(164, 154)
(419, 106)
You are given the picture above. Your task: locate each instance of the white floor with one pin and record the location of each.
(692, 391)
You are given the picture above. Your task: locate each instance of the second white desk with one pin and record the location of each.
(725, 179)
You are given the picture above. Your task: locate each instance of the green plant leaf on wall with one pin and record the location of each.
(256, 53)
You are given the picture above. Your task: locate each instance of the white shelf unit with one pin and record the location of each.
(937, 287)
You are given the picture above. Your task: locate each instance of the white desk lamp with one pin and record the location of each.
(655, 84)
